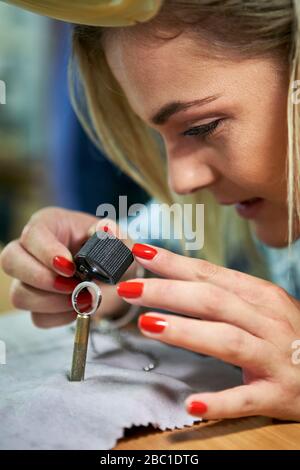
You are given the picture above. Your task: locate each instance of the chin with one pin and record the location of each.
(275, 237)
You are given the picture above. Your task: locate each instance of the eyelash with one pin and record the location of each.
(204, 130)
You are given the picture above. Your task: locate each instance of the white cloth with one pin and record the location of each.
(41, 409)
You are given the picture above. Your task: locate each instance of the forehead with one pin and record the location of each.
(182, 69)
(153, 74)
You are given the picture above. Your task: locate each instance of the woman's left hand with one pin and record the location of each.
(238, 318)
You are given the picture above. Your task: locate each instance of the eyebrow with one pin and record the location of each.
(174, 107)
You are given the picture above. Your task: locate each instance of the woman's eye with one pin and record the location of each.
(203, 130)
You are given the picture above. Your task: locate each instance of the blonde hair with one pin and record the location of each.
(250, 27)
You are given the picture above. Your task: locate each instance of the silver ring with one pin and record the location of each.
(97, 297)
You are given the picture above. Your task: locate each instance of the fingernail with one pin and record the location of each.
(143, 251)
(130, 289)
(152, 324)
(65, 284)
(84, 298)
(63, 265)
(106, 229)
(197, 408)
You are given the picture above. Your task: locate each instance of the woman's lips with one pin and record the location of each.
(249, 209)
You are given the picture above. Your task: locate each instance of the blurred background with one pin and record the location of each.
(45, 157)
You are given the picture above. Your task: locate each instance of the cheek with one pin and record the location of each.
(255, 155)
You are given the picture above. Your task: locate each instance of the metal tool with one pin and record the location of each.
(103, 257)
(83, 323)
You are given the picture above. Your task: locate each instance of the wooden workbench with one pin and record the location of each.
(257, 433)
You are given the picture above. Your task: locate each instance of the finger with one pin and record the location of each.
(19, 264)
(237, 402)
(111, 227)
(38, 240)
(202, 300)
(25, 297)
(220, 340)
(43, 320)
(105, 225)
(173, 266)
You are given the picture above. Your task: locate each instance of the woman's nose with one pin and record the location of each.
(185, 178)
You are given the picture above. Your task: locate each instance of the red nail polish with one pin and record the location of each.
(64, 266)
(84, 298)
(106, 229)
(130, 289)
(143, 251)
(65, 284)
(197, 408)
(152, 324)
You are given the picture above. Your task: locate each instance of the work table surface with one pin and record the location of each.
(257, 433)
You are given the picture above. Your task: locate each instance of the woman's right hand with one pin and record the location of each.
(40, 262)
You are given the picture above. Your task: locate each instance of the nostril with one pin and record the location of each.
(191, 191)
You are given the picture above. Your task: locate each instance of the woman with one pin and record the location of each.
(214, 78)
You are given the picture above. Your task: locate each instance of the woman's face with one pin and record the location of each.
(222, 121)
